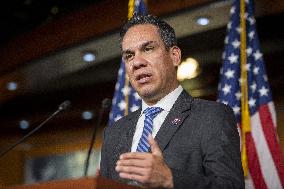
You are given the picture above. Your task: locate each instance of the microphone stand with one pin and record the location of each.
(63, 106)
(105, 104)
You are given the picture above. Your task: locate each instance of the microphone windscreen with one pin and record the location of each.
(64, 105)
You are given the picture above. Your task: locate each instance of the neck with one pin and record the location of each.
(157, 98)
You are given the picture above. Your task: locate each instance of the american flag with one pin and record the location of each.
(264, 156)
(125, 98)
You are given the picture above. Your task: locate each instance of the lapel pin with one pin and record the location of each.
(175, 121)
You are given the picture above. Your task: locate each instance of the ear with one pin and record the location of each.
(175, 55)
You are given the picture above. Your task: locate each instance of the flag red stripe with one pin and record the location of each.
(271, 138)
(253, 164)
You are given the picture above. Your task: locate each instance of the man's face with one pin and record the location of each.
(150, 67)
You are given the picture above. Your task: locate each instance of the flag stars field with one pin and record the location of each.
(251, 35)
(238, 29)
(223, 55)
(251, 102)
(117, 117)
(134, 108)
(229, 26)
(116, 86)
(240, 81)
(233, 10)
(225, 102)
(263, 91)
(226, 89)
(257, 55)
(236, 110)
(125, 90)
(136, 96)
(120, 71)
(229, 73)
(233, 58)
(256, 70)
(265, 78)
(251, 20)
(253, 87)
(238, 95)
(122, 105)
(236, 43)
(249, 51)
(248, 66)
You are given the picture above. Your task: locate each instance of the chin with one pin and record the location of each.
(148, 95)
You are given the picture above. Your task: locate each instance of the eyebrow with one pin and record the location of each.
(143, 45)
(146, 44)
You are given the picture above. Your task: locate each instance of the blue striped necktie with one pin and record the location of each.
(150, 114)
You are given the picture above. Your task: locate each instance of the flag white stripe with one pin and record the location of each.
(267, 167)
(271, 108)
(272, 112)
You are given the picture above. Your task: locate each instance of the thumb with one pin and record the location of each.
(154, 146)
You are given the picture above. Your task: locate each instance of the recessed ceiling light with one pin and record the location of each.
(24, 124)
(202, 21)
(87, 115)
(89, 56)
(12, 86)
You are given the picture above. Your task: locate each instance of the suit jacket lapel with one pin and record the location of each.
(174, 120)
(128, 131)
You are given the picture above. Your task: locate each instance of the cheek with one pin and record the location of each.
(165, 67)
(130, 75)
(167, 73)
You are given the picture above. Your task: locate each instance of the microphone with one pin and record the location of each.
(106, 103)
(63, 106)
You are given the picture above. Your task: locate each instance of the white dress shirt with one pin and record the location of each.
(166, 104)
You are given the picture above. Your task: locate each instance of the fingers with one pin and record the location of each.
(127, 170)
(154, 146)
(133, 155)
(133, 162)
(130, 169)
(130, 176)
(134, 166)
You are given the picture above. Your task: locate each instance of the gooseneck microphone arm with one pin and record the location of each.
(61, 107)
(105, 104)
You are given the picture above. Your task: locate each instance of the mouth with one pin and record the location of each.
(143, 78)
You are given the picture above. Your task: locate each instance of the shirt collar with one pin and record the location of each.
(167, 102)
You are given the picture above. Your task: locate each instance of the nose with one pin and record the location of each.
(139, 61)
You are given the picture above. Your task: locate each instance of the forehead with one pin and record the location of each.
(139, 34)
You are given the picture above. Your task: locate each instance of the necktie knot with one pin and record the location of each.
(152, 112)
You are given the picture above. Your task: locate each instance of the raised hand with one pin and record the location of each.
(149, 169)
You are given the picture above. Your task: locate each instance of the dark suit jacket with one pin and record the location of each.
(199, 140)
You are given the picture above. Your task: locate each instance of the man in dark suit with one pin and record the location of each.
(189, 142)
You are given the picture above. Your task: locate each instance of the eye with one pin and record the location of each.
(148, 48)
(127, 56)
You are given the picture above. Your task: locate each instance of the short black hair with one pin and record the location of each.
(167, 33)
